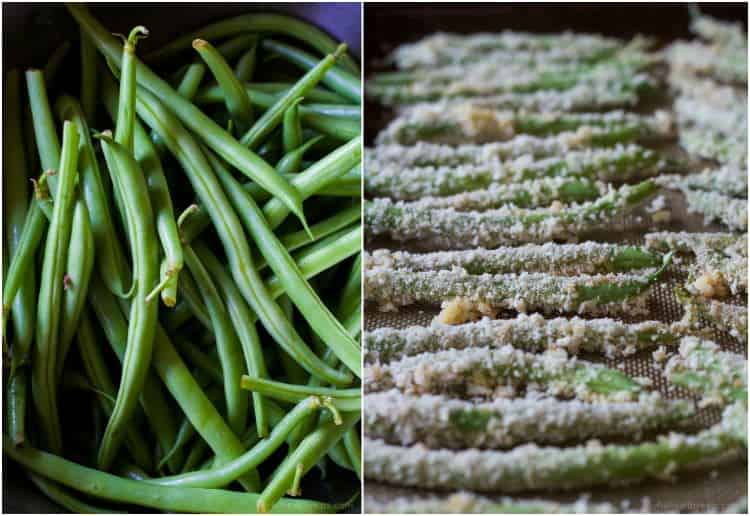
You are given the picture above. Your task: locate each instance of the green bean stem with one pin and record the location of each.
(44, 362)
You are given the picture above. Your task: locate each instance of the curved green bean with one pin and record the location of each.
(227, 343)
(129, 180)
(65, 499)
(299, 291)
(272, 23)
(126, 106)
(264, 94)
(80, 264)
(44, 362)
(291, 161)
(104, 485)
(342, 399)
(214, 136)
(339, 80)
(242, 319)
(191, 81)
(110, 259)
(292, 128)
(245, 67)
(273, 116)
(237, 102)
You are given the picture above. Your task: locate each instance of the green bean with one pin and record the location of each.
(299, 291)
(264, 94)
(191, 81)
(338, 455)
(323, 172)
(80, 264)
(96, 370)
(89, 76)
(126, 107)
(104, 485)
(270, 23)
(292, 127)
(227, 343)
(291, 161)
(65, 499)
(354, 450)
(274, 114)
(339, 80)
(159, 415)
(109, 254)
(241, 316)
(342, 399)
(129, 180)
(44, 363)
(214, 136)
(351, 294)
(147, 157)
(237, 102)
(306, 455)
(349, 185)
(15, 209)
(189, 291)
(231, 233)
(184, 434)
(245, 67)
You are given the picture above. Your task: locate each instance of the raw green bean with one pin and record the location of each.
(104, 485)
(264, 95)
(299, 291)
(110, 260)
(65, 499)
(147, 157)
(291, 162)
(306, 455)
(214, 136)
(337, 79)
(89, 76)
(273, 115)
(44, 362)
(227, 343)
(189, 291)
(322, 173)
(15, 210)
(342, 399)
(98, 375)
(245, 67)
(351, 294)
(130, 182)
(317, 94)
(191, 81)
(208, 188)
(199, 359)
(237, 101)
(354, 450)
(126, 106)
(272, 23)
(292, 128)
(80, 264)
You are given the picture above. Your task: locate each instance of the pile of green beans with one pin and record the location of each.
(209, 340)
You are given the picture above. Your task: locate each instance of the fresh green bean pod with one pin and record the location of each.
(146, 154)
(110, 259)
(354, 450)
(45, 353)
(159, 414)
(339, 80)
(214, 136)
(80, 264)
(304, 457)
(291, 161)
(237, 101)
(189, 292)
(227, 343)
(264, 94)
(126, 106)
(299, 291)
(272, 23)
(241, 316)
(123, 490)
(98, 375)
(292, 127)
(130, 182)
(273, 116)
(245, 67)
(191, 81)
(89, 77)
(347, 400)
